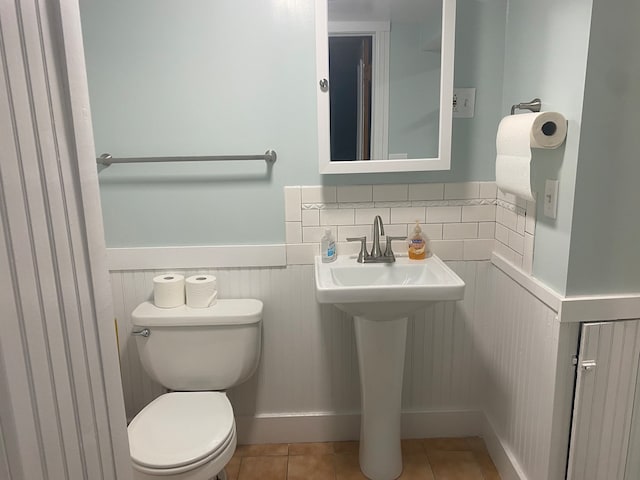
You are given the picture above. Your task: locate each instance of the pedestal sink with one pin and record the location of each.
(381, 297)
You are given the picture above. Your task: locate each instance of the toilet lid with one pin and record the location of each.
(180, 428)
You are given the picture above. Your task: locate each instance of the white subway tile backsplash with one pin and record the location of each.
(509, 219)
(443, 214)
(506, 196)
(348, 248)
(319, 206)
(319, 194)
(355, 193)
(313, 234)
(407, 215)
(293, 232)
(516, 242)
(448, 249)
(464, 221)
(502, 234)
(530, 220)
(346, 231)
(339, 216)
(458, 231)
(505, 252)
(396, 230)
(292, 200)
(390, 193)
(488, 190)
(478, 249)
(463, 190)
(310, 218)
(433, 231)
(527, 258)
(393, 204)
(356, 205)
(520, 223)
(426, 191)
(479, 213)
(486, 230)
(366, 215)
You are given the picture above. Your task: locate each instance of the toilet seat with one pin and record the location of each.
(181, 431)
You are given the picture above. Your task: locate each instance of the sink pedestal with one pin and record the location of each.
(381, 297)
(381, 351)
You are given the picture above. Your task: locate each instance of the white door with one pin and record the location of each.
(604, 400)
(61, 407)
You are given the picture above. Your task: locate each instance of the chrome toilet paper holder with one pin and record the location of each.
(534, 105)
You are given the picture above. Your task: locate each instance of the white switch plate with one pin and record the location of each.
(464, 102)
(551, 198)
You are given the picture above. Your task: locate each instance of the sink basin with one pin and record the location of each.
(385, 290)
(380, 297)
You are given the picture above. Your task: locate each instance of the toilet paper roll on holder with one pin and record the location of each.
(534, 105)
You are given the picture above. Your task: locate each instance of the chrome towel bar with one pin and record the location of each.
(106, 159)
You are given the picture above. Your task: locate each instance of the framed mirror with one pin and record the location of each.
(385, 85)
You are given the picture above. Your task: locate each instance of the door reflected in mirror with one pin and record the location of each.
(390, 68)
(350, 77)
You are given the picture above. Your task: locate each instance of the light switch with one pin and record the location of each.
(464, 102)
(551, 198)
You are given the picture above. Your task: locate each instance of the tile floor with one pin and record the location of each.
(428, 459)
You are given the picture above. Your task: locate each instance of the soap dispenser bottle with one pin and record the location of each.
(418, 244)
(328, 247)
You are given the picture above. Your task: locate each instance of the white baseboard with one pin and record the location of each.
(330, 427)
(501, 455)
(327, 427)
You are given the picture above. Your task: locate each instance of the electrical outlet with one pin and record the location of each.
(464, 102)
(551, 198)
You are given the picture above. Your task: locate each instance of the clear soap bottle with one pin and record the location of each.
(418, 244)
(328, 247)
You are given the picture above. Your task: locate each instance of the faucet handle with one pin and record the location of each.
(363, 247)
(388, 252)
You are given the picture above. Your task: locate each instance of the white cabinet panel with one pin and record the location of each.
(605, 390)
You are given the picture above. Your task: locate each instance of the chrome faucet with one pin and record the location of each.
(378, 229)
(376, 255)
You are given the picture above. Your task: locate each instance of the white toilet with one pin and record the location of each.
(196, 353)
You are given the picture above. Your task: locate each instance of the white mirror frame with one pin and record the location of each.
(443, 160)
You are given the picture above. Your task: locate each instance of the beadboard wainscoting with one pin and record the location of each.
(309, 363)
(528, 377)
(496, 364)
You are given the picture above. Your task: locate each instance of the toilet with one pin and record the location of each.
(196, 353)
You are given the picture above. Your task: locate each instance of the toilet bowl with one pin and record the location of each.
(190, 433)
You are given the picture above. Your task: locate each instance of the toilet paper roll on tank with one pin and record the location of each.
(517, 136)
(170, 290)
(201, 291)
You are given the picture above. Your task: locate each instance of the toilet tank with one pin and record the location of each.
(191, 349)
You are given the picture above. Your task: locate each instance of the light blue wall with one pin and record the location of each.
(605, 241)
(165, 79)
(546, 57)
